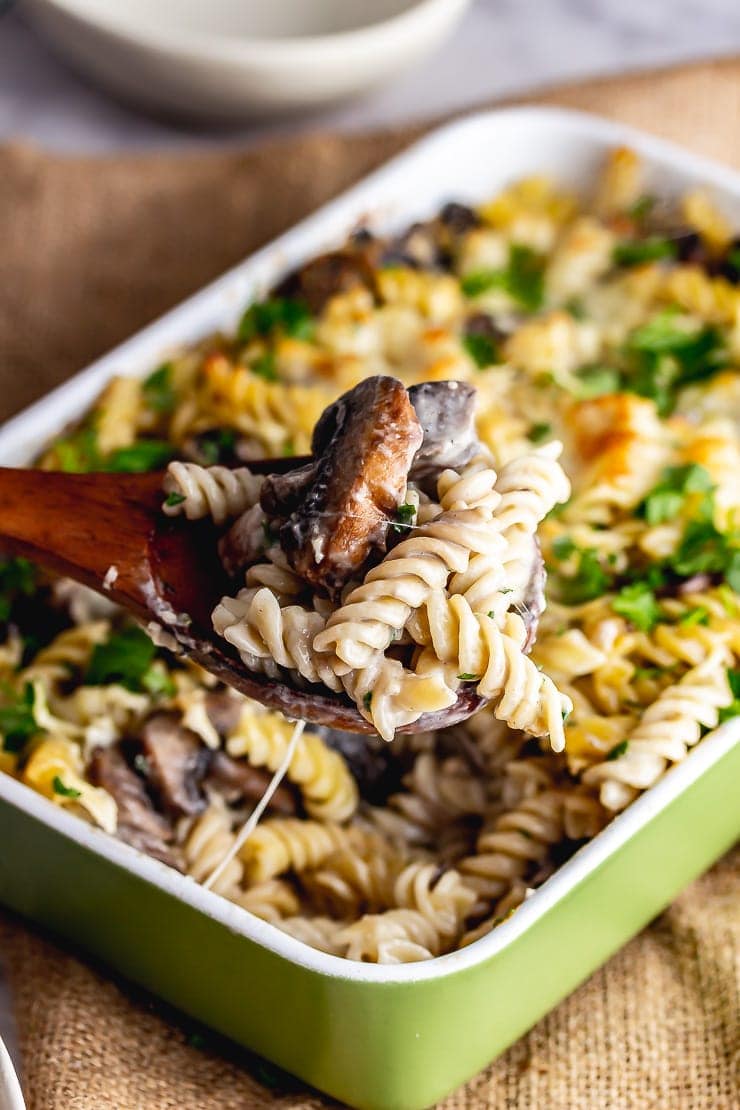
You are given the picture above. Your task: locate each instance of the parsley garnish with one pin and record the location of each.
(157, 389)
(705, 550)
(147, 454)
(699, 615)
(368, 699)
(216, 445)
(538, 433)
(638, 605)
(633, 252)
(617, 751)
(65, 791)
(17, 721)
(157, 682)
(666, 500)
(642, 207)
(173, 499)
(733, 709)
(279, 314)
(595, 381)
(265, 367)
(647, 674)
(465, 677)
(17, 578)
(78, 453)
(404, 517)
(663, 357)
(589, 579)
(125, 658)
(481, 349)
(522, 279)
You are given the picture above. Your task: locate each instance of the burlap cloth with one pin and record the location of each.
(92, 248)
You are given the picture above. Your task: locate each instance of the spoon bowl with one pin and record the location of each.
(108, 531)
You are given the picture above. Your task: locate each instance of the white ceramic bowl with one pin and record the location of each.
(10, 1091)
(232, 59)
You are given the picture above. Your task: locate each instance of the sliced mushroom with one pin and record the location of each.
(374, 767)
(236, 780)
(244, 540)
(446, 412)
(330, 274)
(139, 824)
(363, 445)
(177, 762)
(224, 708)
(282, 493)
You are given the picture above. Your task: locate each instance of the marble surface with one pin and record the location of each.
(501, 46)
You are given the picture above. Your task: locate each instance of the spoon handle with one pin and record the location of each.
(80, 525)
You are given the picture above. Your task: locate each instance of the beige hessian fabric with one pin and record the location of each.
(91, 249)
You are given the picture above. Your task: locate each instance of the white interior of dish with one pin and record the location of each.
(468, 161)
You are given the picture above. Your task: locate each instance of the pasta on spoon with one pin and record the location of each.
(396, 567)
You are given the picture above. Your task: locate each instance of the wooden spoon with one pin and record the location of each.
(109, 532)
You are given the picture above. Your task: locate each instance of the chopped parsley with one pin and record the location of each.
(589, 579)
(637, 604)
(368, 699)
(78, 452)
(264, 367)
(157, 389)
(647, 674)
(404, 517)
(278, 314)
(733, 709)
(705, 550)
(17, 578)
(65, 791)
(216, 445)
(157, 682)
(465, 677)
(642, 207)
(666, 500)
(125, 658)
(481, 349)
(173, 499)
(664, 355)
(595, 381)
(617, 751)
(538, 433)
(522, 279)
(633, 252)
(17, 721)
(147, 454)
(699, 615)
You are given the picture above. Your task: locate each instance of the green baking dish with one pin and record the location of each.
(375, 1037)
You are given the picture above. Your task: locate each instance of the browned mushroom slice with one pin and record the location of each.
(224, 709)
(236, 780)
(282, 493)
(139, 824)
(324, 277)
(176, 763)
(446, 412)
(244, 540)
(364, 444)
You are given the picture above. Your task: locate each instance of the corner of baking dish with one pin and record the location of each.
(186, 889)
(381, 195)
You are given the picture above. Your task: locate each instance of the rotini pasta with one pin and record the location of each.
(535, 321)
